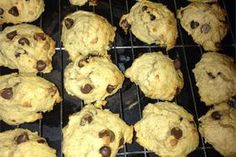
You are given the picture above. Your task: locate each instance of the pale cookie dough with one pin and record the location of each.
(24, 143)
(158, 76)
(85, 33)
(206, 23)
(95, 133)
(24, 98)
(151, 23)
(18, 11)
(218, 127)
(92, 79)
(215, 76)
(167, 129)
(82, 2)
(27, 48)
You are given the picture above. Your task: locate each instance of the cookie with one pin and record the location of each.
(95, 133)
(27, 48)
(152, 23)
(82, 2)
(92, 79)
(157, 76)
(215, 76)
(98, 31)
(24, 143)
(206, 23)
(218, 127)
(18, 11)
(167, 129)
(24, 98)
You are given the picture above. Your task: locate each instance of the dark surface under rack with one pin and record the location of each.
(129, 101)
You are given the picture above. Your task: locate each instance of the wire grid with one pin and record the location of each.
(186, 50)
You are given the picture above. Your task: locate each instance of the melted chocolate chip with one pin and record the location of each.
(41, 65)
(24, 41)
(125, 24)
(216, 115)
(177, 64)
(121, 141)
(194, 24)
(18, 54)
(13, 11)
(107, 133)
(144, 8)
(86, 119)
(86, 88)
(11, 35)
(69, 23)
(211, 75)
(1, 11)
(110, 88)
(22, 138)
(41, 141)
(152, 17)
(176, 132)
(205, 28)
(181, 118)
(39, 36)
(105, 151)
(7, 93)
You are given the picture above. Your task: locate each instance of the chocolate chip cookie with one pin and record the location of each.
(82, 2)
(18, 11)
(24, 143)
(215, 76)
(158, 76)
(218, 127)
(95, 133)
(85, 33)
(23, 98)
(167, 129)
(151, 23)
(26, 48)
(92, 79)
(206, 23)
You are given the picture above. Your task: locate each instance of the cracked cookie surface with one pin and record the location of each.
(206, 23)
(26, 48)
(167, 129)
(85, 33)
(157, 76)
(151, 23)
(24, 143)
(95, 133)
(18, 11)
(215, 76)
(20, 101)
(218, 127)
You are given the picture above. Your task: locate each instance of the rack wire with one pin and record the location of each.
(124, 50)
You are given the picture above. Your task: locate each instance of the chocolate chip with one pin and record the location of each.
(152, 17)
(11, 35)
(18, 53)
(22, 138)
(107, 133)
(24, 41)
(14, 11)
(86, 119)
(69, 23)
(110, 88)
(211, 75)
(121, 141)
(39, 36)
(7, 93)
(1, 11)
(41, 65)
(216, 115)
(194, 24)
(105, 151)
(144, 8)
(176, 132)
(205, 28)
(177, 64)
(181, 118)
(125, 24)
(86, 88)
(41, 141)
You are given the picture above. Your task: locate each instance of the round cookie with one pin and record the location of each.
(92, 78)
(151, 23)
(85, 33)
(27, 48)
(18, 11)
(167, 129)
(215, 76)
(206, 24)
(95, 133)
(82, 2)
(158, 76)
(24, 98)
(218, 127)
(24, 143)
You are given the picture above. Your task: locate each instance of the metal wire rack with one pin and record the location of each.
(129, 101)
